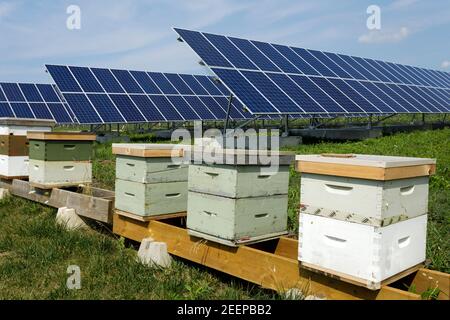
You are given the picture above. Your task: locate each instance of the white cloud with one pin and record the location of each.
(445, 64)
(402, 4)
(381, 36)
(6, 8)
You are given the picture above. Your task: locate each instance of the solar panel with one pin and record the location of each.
(32, 101)
(275, 79)
(98, 95)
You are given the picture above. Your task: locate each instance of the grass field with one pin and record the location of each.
(35, 253)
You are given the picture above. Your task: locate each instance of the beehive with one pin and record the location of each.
(151, 179)
(238, 199)
(363, 217)
(14, 145)
(374, 190)
(360, 253)
(60, 159)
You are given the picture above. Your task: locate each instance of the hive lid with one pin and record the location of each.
(150, 150)
(241, 156)
(27, 122)
(374, 167)
(64, 136)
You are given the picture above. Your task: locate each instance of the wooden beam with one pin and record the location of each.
(427, 280)
(148, 153)
(149, 218)
(74, 136)
(266, 269)
(365, 172)
(97, 205)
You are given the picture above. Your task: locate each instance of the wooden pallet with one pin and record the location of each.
(149, 218)
(272, 264)
(93, 203)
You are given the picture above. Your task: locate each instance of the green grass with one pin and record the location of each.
(35, 252)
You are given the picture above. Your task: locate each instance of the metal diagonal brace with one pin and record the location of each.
(227, 116)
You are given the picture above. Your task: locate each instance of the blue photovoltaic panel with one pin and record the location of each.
(66, 81)
(178, 83)
(163, 84)
(127, 81)
(140, 96)
(271, 78)
(12, 92)
(22, 110)
(41, 111)
(31, 101)
(194, 84)
(166, 107)
(148, 108)
(106, 78)
(30, 92)
(145, 82)
(127, 108)
(105, 107)
(86, 79)
(5, 110)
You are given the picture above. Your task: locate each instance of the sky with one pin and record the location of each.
(138, 35)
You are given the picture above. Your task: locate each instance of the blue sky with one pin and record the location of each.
(137, 34)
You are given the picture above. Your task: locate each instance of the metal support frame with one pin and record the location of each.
(286, 126)
(369, 123)
(227, 116)
(382, 119)
(423, 118)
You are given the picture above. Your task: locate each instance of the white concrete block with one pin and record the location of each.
(4, 193)
(68, 218)
(154, 253)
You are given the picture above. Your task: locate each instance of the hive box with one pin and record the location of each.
(151, 179)
(20, 127)
(14, 145)
(373, 190)
(235, 199)
(358, 253)
(60, 159)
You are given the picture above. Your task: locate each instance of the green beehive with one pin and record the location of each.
(150, 170)
(60, 150)
(149, 199)
(236, 200)
(60, 158)
(150, 179)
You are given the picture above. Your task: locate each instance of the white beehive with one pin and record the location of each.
(14, 145)
(373, 190)
(20, 127)
(359, 253)
(13, 166)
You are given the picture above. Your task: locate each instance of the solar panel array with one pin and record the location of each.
(32, 101)
(276, 79)
(98, 95)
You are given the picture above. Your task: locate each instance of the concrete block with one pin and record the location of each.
(290, 141)
(153, 253)
(68, 218)
(4, 193)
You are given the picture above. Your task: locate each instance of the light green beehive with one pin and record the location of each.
(148, 199)
(151, 179)
(238, 200)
